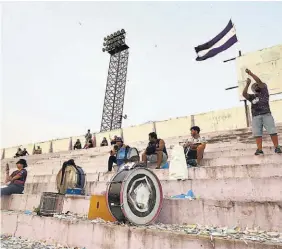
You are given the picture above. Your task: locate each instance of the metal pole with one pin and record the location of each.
(245, 101)
(247, 113)
(246, 105)
(116, 83)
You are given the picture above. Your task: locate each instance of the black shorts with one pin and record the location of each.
(192, 154)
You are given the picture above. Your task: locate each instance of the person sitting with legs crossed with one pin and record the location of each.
(194, 147)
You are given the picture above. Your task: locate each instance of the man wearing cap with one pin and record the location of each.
(118, 154)
(17, 179)
(261, 113)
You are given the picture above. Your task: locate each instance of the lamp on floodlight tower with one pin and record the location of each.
(112, 114)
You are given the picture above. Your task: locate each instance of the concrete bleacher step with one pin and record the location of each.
(99, 163)
(99, 152)
(237, 152)
(207, 172)
(221, 182)
(235, 171)
(265, 215)
(237, 189)
(239, 160)
(210, 172)
(100, 235)
(242, 136)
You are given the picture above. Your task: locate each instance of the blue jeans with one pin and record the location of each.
(266, 121)
(12, 189)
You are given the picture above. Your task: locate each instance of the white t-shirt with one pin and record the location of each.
(199, 140)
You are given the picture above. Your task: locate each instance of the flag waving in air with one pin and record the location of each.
(224, 40)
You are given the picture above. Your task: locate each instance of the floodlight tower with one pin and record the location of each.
(112, 115)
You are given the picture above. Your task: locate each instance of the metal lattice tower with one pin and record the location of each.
(116, 81)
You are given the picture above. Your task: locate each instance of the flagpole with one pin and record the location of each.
(247, 113)
(238, 42)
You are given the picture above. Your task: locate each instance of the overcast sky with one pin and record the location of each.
(54, 71)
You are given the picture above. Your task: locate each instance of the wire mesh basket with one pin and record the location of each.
(51, 203)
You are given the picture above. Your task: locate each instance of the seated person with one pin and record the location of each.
(17, 179)
(77, 145)
(113, 141)
(194, 147)
(104, 142)
(37, 151)
(113, 154)
(89, 144)
(24, 152)
(156, 151)
(19, 153)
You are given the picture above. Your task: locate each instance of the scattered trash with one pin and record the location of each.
(190, 195)
(27, 212)
(213, 232)
(8, 241)
(165, 166)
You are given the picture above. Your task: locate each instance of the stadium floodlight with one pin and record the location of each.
(115, 42)
(112, 114)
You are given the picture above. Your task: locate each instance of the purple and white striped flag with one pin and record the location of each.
(224, 40)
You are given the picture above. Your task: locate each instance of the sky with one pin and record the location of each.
(53, 70)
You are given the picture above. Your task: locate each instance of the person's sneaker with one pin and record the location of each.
(278, 150)
(259, 152)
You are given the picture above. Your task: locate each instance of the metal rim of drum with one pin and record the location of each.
(125, 208)
(124, 201)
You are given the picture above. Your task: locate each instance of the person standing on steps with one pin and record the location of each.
(88, 137)
(261, 113)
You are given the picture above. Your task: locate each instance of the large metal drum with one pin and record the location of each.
(74, 177)
(135, 195)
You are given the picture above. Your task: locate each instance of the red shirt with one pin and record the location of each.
(22, 173)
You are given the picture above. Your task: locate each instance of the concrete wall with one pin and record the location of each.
(61, 144)
(29, 148)
(221, 120)
(108, 135)
(173, 127)
(10, 152)
(262, 64)
(81, 138)
(137, 133)
(45, 146)
(276, 109)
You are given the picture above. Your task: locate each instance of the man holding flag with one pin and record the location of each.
(261, 113)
